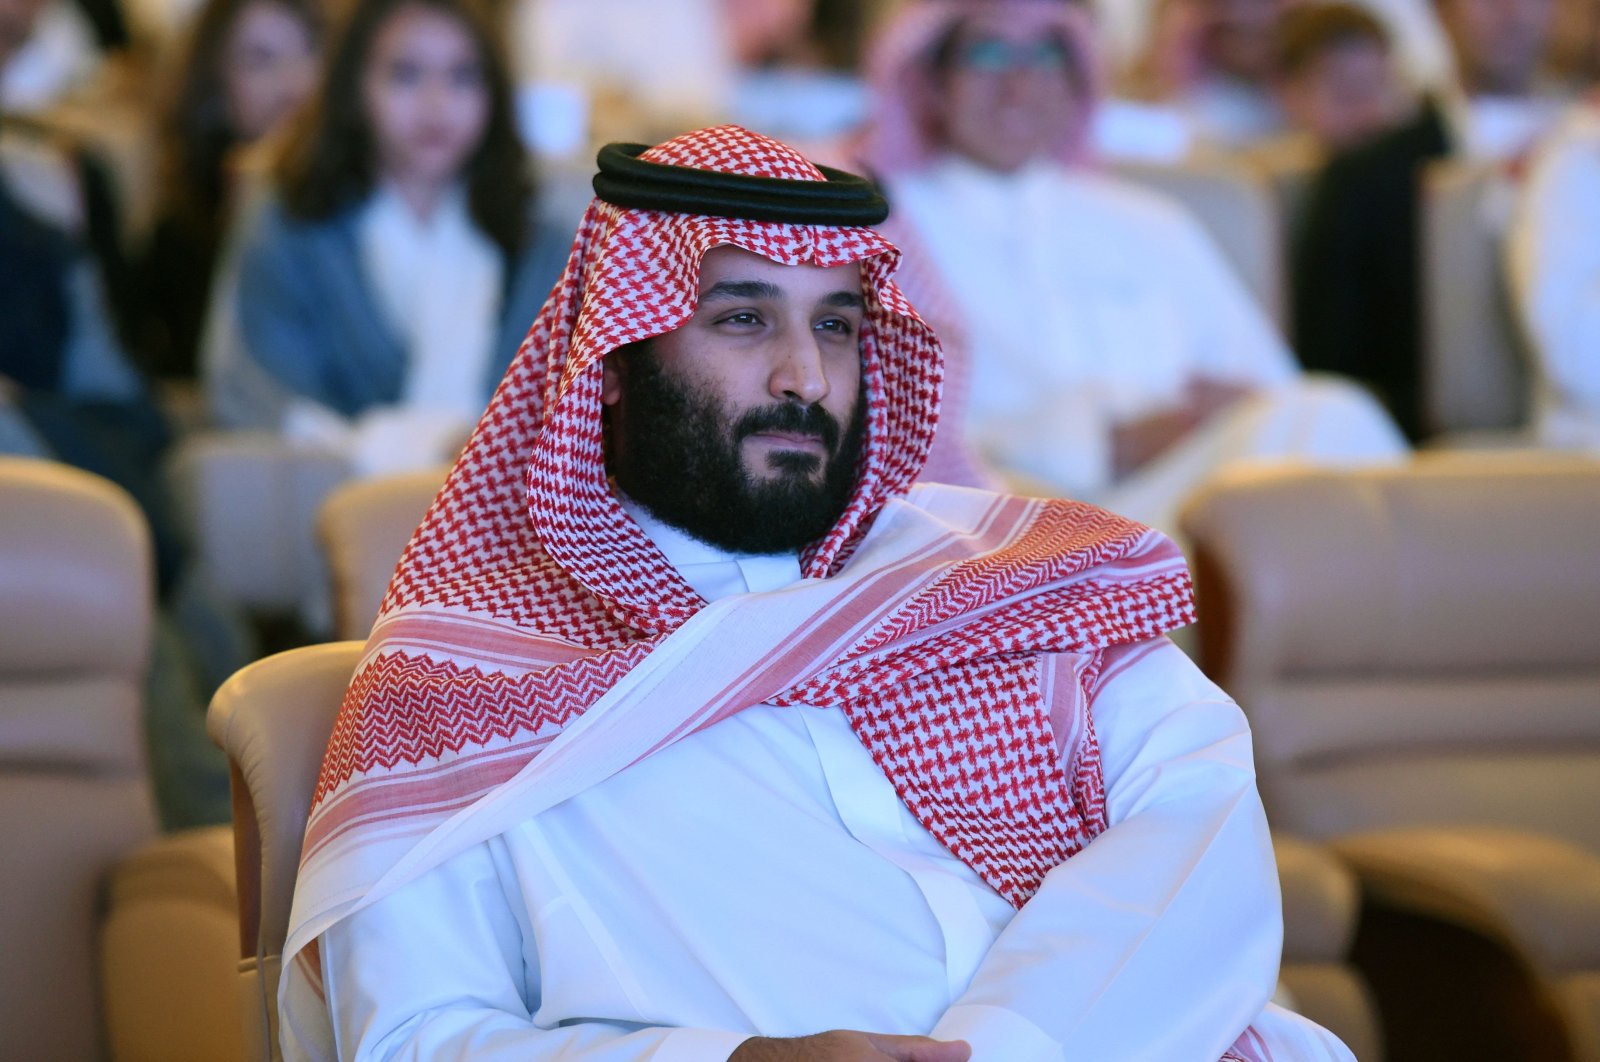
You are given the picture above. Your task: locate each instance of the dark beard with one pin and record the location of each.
(679, 458)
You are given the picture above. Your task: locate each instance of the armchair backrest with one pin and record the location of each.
(249, 501)
(75, 627)
(1238, 211)
(1474, 374)
(273, 719)
(1414, 646)
(364, 527)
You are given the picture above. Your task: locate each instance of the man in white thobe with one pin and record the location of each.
(692, 730)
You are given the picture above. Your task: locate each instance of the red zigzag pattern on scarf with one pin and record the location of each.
(403, 709)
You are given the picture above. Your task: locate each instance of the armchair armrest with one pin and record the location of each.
(1537, 895)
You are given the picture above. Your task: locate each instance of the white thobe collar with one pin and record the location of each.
(711, 571)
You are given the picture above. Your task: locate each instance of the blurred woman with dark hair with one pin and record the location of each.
(249, 63)
(384, 285)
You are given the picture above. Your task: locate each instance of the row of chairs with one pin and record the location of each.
(1423, 681)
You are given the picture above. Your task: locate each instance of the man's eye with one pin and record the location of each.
(836, 324)
(743, 317)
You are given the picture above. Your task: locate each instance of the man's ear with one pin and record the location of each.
(611, 370)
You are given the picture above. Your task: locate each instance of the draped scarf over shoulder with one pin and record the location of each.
(534, 641)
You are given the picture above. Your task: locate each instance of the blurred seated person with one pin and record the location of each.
(47, 49)
(1355, 271)
(67, 391)
(249, 63)
(1098, 345)
(1210, 63)
(384, 284)
(640, 66)
(1336, 81)
(1574, 53)
(1553, 255)
(798, 61)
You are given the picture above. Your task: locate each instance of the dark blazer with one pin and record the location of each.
(1356, 265)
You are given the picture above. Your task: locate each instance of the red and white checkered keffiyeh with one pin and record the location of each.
(535, 641)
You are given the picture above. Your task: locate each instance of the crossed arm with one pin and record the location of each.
(1159, 940)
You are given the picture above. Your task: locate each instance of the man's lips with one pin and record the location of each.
(792, 440)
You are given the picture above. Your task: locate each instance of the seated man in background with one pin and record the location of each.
(1210, 62)
(1357, 261)
(723, 741)
(1100, 347)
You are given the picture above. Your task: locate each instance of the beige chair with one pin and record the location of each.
(1320, 906)
(1419, 653)
(1238, 211)
(75, 629)
(250, 502)
(363, 527)
(1475, 380)
(273, 719)
(169, 952)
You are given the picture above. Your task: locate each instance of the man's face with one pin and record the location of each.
(743, 426)
(1009, 95)
(1498, 43)
(1237, 36)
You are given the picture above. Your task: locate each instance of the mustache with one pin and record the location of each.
(791, 417)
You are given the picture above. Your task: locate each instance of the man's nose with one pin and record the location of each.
(798, 373)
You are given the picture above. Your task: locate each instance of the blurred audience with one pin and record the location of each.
(640, 69)
(388, 276)
(1097, 343)
(797, 61)
(1355, 261)
(47, 49)
(1211, 61)
(67, 389)
(1553, 258)
(1336, 78)
(248, 64)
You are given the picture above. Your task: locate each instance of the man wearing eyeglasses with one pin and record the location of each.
(1099, 345)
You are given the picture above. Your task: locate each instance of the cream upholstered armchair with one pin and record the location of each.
(1418, 650)
(249, 502)
(75, 628)
(273, 719)
(184, 923)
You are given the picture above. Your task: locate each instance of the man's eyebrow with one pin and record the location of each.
(762, 289)
(742, 289)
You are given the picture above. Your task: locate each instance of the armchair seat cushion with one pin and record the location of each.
(1320, 899)
(1538, 895)
(170, 951)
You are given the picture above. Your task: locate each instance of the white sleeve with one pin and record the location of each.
(1160, 939)
(437, 970)
(1554, 266)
